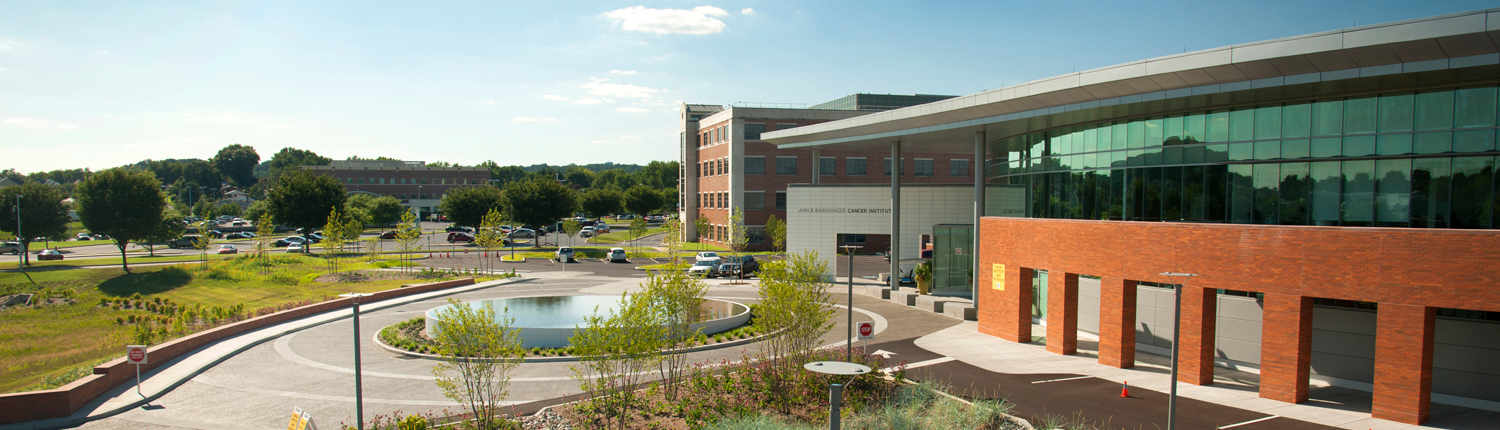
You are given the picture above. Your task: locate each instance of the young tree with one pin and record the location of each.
(539, 201)
(678, 297)
(702, 226)
(795, 304)
(737, 239)
(171, 227)
(479, 350)
(333, 238)
(570, 228)
(642, 200)
(407, 235)
(488, 237)
(43, 213)
(237, 163)
(124, 204)
(468, 206)
(600, 202)
(617, 350)
(776, 231)
(204, 241)
(302, 200)
(265, 225)
(637, 229)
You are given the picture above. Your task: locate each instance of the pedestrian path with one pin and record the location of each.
(1232, 391)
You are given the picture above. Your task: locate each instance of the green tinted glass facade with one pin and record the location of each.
(1413, 159)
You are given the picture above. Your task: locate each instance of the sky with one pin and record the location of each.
(104, 84)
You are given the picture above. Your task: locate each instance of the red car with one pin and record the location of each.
(388, 235)
(460, 237)
(49, 254)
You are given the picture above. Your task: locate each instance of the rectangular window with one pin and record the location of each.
(753, 130)
(781, 200)
(755, 235)
(1475, 107)
(854, 239)
(888, 167)
(854, 166)
(959, 167)
(784, 126)
(1472, 182)
(923, 167)
(723, 133)
(1327, 183)
(1430, 182)
(755, 165)
(1434, 110)
(1359, 192)
(755, 200)
(826, 165)
(786, 165)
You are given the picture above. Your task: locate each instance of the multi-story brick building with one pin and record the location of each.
(1335, 194)
(726, 165)
(413, 182)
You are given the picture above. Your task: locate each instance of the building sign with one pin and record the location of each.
(999, 276)
(843, 210)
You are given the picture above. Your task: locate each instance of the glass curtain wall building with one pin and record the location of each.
(1406, 159)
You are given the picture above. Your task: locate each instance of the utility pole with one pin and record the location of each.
(19, 241)
(1176, 338)
(849, 344)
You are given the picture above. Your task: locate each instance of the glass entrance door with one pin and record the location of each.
(952, 259)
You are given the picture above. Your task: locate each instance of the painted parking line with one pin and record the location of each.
(1248, 422)
(910, 366)
(1062, 379)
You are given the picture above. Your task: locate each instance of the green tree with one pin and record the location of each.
(289, 160)
(333, 238)
(256, 210)
(569, 228)
(237, 163)
(504, 175)
(737, 238)
(642, 200)
(678, 297)
(659, 174)
(702, 227)
(488, 236)
(468, 206)
(170, 228)
(202, 173)
(615, 179)
(637, 228)
(668, 199)
(796, 306)
(407, 235)
(539, 202)
(264, 227)
(578, 177)
(123, 203)
(43, 214)
(302, 199)
(617, 349)
(776, 231)
(230, 209)
(600, 202)
(479, 350)
(382, 210)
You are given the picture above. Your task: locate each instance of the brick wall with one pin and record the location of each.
(65, 400)
(1397, 268)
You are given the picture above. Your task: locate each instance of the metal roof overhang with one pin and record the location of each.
(1427, 52)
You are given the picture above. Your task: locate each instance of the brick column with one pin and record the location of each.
(1403, 363)
(1196, 355)
(1015, 305)
(1117, 322)
(1285, 347)
(1062, 313)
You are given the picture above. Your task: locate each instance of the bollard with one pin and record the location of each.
(835, 397)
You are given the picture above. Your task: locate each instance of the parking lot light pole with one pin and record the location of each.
(1176, 338)
(849, 343)
(20, 261)
(359, 398)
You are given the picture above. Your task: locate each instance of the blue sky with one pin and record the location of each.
(101, 84)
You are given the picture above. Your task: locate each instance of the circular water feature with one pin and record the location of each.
(548, 322)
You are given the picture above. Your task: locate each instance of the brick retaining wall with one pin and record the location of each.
(64, 401)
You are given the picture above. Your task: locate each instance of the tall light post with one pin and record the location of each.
(20, 242)
(849, 343)
(1176, 338)
(359, 395)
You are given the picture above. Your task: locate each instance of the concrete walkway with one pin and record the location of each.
(1327, 405)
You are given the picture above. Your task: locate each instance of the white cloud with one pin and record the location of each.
(710, 10)
(658, 57)
(281, 125)
(2, 69)
(631, 110)
(668, 21)
(226, 118)
(489, 102)
(602, 87)
(591, 101)
(37, 123)
(102, 52)
(622, 72)
(530, 119)
(10, 45)
(554, 97)
(748, 11)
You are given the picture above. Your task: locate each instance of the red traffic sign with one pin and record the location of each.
(135, 354)
(866, 329)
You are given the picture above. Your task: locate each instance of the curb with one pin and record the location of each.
(529, 359)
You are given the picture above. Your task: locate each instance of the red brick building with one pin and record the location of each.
(413, 182)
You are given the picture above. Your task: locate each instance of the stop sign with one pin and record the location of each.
(135, 354)
(866, 329)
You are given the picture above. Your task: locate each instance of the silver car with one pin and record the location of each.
(618, 254)
(707, 269)
(564, 254)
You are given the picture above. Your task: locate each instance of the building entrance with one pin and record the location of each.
(953, 260)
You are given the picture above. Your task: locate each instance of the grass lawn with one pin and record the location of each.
(619, 235)
(51, 341)
(693, 246)
(115, 261)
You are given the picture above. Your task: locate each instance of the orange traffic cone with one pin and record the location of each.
(1125, 389)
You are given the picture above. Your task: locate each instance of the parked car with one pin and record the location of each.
(586, 232)
(618, 254)
(564, 254)
(11, 247)
(523, 232)
(239, 235)
(705, 268)
(294, 248)
(707, 256)
(455, 237)
(101, 236)
(601, 228)
(215, 234)
(290, 240)
(588, 223)
(49, 254)
(228, 249)
(746, 262)
(84, 236)
(184, 242)
(458, 228)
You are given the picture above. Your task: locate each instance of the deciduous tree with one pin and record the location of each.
(302, 200)
(642, 200)
(480, 349)
(289, 159)
(776, 232)
(237, 163)
(468, 206)
(170, 228)
(540, 201)
(43, 214)
(125, 204)
(600, 202)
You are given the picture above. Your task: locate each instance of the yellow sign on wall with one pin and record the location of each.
(999, 276)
